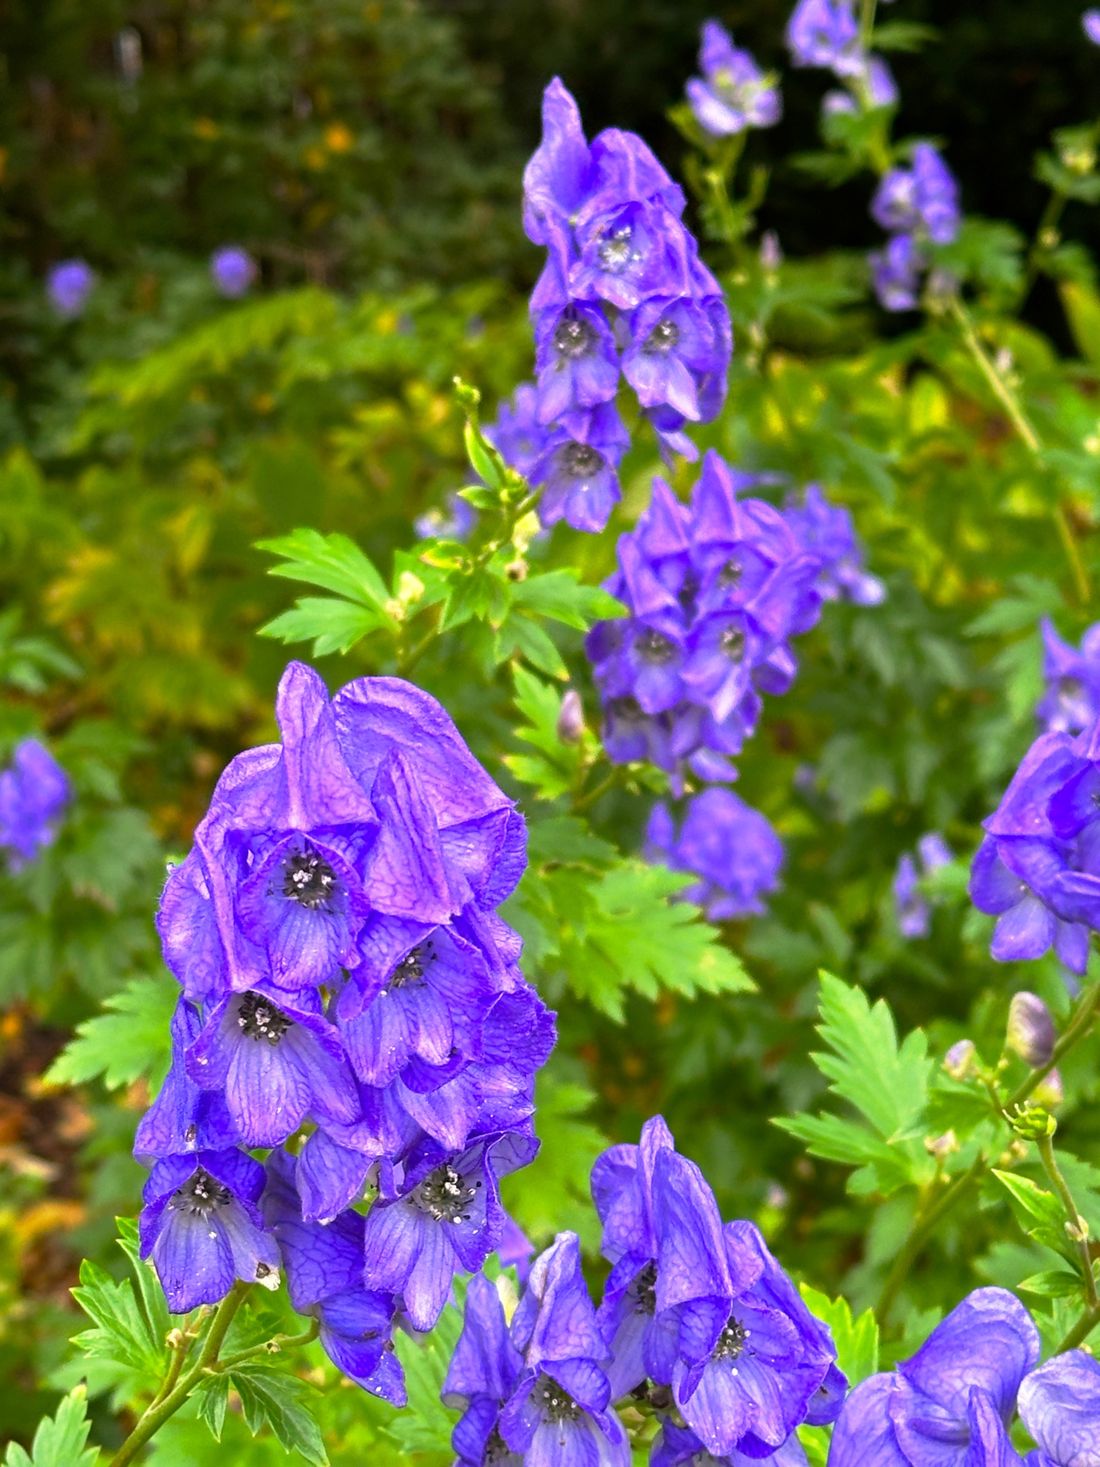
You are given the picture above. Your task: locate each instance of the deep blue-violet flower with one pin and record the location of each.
(1059, 1404)
(184, 1117)
(678, 1446)
(733, 93)
(922, 200)
(484, 1371)
(69, 285)
(578, 469)
(826, 531)
(232, 270)
(202, 1228)
(34, 792)
(1071, 695)
(517, 433)
(913, 909)
(560, 1414)
(825, 33)
(896, 273)
(575, 358)
(446, 1216)
(952, 1402)
(1090, 23)
(324, 1266)
(732, 849)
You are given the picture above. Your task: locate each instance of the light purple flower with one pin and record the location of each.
(733, 93)
(232, 270)
(68, 286)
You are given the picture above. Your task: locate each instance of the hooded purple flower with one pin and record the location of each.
(517, 434)
(202, 1228)
(484, 1371)
(825, 33)
(69, 285)
(746, 1359)
(324, 1265)
(678, 354)
(896, 271)
(1090, 24)
(560, 1412)
(914, 914)
(232, 270)
(576, 360)
(276, 1062)
(733, 93)
(678, 1446)
(446, 1216)
(34, 790)
(578, 469)
(922, 200)
(1060, 1405)
(952, 1402)
(1071, 698)
(184, 1117)
(826, 531)
(731, 847)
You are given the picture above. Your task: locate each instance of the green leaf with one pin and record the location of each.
(212, 1397)
(123, 1332)
(278, 1400)
(59, 1441)
(332, 562)
(425, 1426)
(1052, 1283)
(1082, 307)
(1037, 1211)
(856, 1339)
(553, 770)
(130, 1040)
(552, 1194)
(559, 595)
(332, 626)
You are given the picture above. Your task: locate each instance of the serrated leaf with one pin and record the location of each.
(211, 1395)
(59, 1441)
(331, 626)
(855, 1338)
(276, 1399)
(332, 562)
(122, 1331)
(1052, 1283)
(1037, 1211)
(130, 1040)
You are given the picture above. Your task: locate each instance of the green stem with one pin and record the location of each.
(1025, 432)
(272, 1346)
(928, 1219)
(583, 802)
(1078, 1228)
(1080, 1022)
(1081, 1330)
(866, 24)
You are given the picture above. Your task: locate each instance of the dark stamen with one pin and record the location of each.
(309, 880)
(260, 1019)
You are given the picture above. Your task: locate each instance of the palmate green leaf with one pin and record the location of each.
(280, 1401)
(331, 626)
(129, 1040)
(425, 1426)
(59, 1441)
(122, 1332)
(560, 595)
(856, 1338)
(554, 767)
(337, 564)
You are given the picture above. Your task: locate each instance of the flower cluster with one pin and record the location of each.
(623, 294)
(696, 1317)
(34, 790)
(826, 34)
(917, 206)
(335, 935)
(914, 912)
(1038, 868)
(952, 1403)
(731, 847)
(715, 590)
(732, 94)
(826, 531)
(1071, 678)
(68, 286)
(232, 270)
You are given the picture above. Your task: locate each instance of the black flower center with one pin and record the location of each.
(497, 1450)
(200, 1195)
(582, 460)
(411, 967)
(732, 643)
(573, 337)
(309, 880)
(617, 249)
(652, 647)
(645, 1289)
(731, 1342)
(446, 1194)
(260, 1019)
(556, 1405)
(730, 574)
(627, 709)
(663, 337)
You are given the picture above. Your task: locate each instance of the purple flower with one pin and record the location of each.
(184, 1117)
(232, 270)
(746, 1360)
(826, 531)
(914, 913)
(578, 469)
(1060, 1406)
(445, 1216)
(729, 846)
(1071, 698)
(324, 1265)
(1090, 23)
(678, 354)
(895, 271)
(733, 93)
(952, 1402)
(875, 86)
(678, 1446)
(560, 1412)
(34, 791)
(517, 434)
(825, 33)
(484, 1371)
(202, 1228)
(576, 361)
(68, 286)
(922, 200)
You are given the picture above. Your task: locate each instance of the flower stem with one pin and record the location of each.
(1080, 1331)
(1077, 1228)
(928, 1219)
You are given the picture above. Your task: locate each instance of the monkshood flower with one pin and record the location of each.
(184, 1117)
(826, 531)
(560, 1413)
(729, 846)
(578, 469)
(825, 33)
(733, 93)
(69, 285)
(678, 1446)
(922, 200)
(896, 273)
(202, 1227)
(446, 1216)
(873, 86)
(914, 911)
(746, 1360)
(324, 1267)
(483, 1374)
(517, 434)
(951, 1403)
(34, 791)
(1090, 23)
(454, 522)
(1060, 1405)
(1071, 696)
(232, 270)
(1030, 1029)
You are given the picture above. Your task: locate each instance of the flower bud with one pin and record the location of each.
(941, 1146)
(1030, 1031)
(1032, 1121)
(771, 253)
(1050, 1090)
(959, 1059)
(571, 718)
